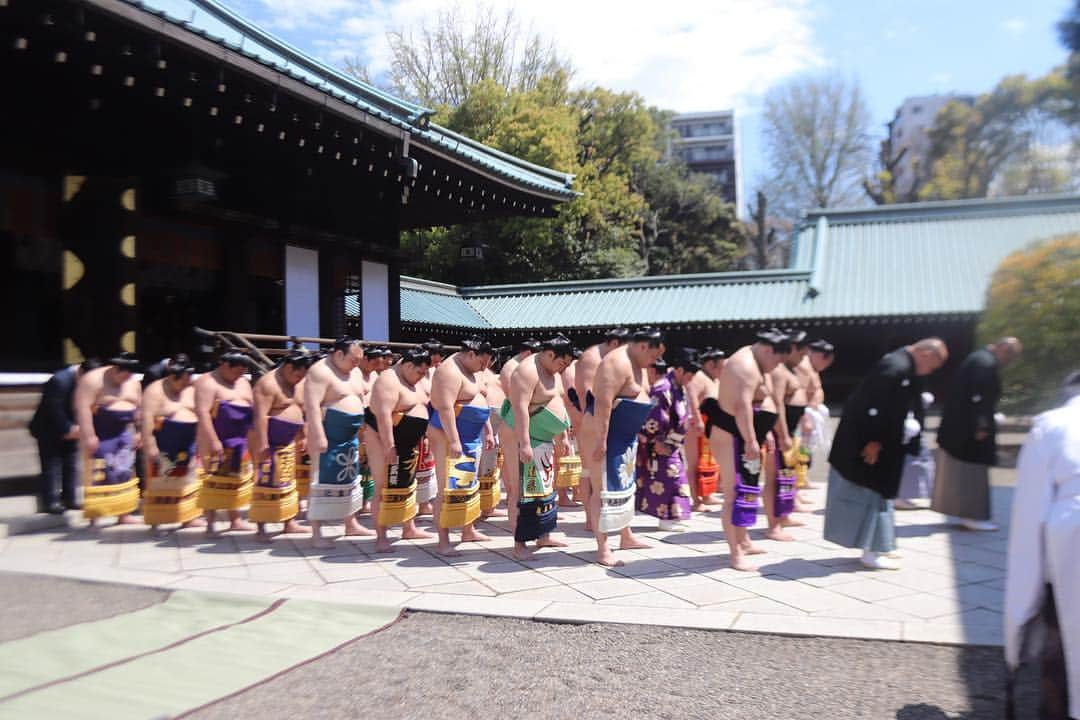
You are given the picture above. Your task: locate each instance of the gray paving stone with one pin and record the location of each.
(710, 594)
(603, 589)
(757, 605)
(871, 590)
(926, 606)
(655, 599)
(950, 589)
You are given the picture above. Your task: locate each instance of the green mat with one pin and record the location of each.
(172, 657)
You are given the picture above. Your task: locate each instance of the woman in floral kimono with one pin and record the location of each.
(662, 488)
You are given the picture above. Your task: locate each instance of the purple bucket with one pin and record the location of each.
(744, 509)
(785, 487)
(747, 489)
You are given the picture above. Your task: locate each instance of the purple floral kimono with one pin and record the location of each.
(662, 488)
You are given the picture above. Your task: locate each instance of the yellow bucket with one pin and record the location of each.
(226, 492)
(569, 474)
(460, 504)
(397, 505)
(163, 504)
(110, 500)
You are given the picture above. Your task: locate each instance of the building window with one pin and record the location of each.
(347, 311)
(707, 153)
(706, 129)
(916, 109)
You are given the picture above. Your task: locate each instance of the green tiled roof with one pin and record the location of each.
(922, 258)
(914, 260)
(650, 300)
(424, 302)
(213, 21)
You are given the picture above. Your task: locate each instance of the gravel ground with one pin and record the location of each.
(448, 667)
(451, 666)
(30, 604)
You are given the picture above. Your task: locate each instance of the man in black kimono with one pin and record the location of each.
(967, 437)
(57, 435)
(868, 452)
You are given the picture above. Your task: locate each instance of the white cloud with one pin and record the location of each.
(941, 79)
(1014, 26)
(689, 55)
(293, 14)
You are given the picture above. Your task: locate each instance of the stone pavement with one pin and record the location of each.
(950, 590)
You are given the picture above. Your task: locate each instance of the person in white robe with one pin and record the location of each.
(1044, 556)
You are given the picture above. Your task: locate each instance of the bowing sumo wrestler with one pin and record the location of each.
(394, 422)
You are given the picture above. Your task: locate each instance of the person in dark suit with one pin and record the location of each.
(868, 452)
(967, 436)
(57, 435)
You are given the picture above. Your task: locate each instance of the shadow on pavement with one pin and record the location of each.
(986, 692)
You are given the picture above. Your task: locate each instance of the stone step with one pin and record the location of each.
(15, 419)
(19, 400)
(17, 408)
(19, 515)
(19, 463)
(17, 440)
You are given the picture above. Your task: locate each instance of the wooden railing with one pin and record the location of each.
(264, 356)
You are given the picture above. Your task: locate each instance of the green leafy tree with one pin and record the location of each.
(1035, 295)
(1069, 34)
(686, 225)
(972, 144)
(486, 82)
(881, 188)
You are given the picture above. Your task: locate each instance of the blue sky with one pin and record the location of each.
(692, 55)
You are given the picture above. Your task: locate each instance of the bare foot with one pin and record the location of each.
(322, 543)
(633, 544)
(292, 527)
(424, 509)
(448, 551)
(523, 553)
(127, 520)
(569, 503)
(548, 542)
(240, 524)
(384, 546)
(607, 559)
(471, 534)
(753, 550)
(778, 534)
(702, 507)
(355, 529)
(196, 523)
(493, 513)
(263, 536)
(742, 565)
(415, 534)
(789, 522)
(801, 507)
